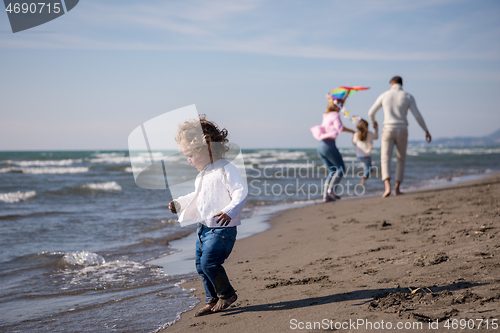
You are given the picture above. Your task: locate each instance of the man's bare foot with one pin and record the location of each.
(387, 192)
(224, 303)
(396, 189)
(207, 309)
(363, 180)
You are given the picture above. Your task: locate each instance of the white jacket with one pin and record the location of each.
(219, 187)
(396, 103)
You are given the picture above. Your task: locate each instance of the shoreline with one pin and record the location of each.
(182, 261)
(270, 267)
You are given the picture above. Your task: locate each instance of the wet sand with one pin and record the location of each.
(428, 257)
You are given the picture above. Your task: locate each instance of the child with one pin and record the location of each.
(219, 196)
(363, 140)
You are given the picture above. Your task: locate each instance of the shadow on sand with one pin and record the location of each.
(367, 295)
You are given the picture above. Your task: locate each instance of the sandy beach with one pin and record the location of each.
(416, 262)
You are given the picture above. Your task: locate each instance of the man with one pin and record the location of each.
(395, 103)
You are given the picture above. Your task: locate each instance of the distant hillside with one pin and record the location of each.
(490, 140)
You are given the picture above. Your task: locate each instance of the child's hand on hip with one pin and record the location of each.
(223, 218)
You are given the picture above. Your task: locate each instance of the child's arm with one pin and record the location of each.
(355, 138)
(175, 206)
(238, 192)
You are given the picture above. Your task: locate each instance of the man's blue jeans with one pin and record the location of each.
(213, 246)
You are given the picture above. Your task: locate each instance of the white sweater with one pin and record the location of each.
(364, 148)
(396, 103)
(219, 187)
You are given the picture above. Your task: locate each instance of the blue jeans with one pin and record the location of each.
(367, 161)
(334, 163)
(213, 246)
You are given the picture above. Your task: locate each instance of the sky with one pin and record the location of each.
(87, 79)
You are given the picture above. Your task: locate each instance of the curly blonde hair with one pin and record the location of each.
(189, 136)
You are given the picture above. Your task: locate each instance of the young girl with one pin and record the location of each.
(363, 140)
(219, 196)
(327, 150)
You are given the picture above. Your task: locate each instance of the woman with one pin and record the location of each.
(327, 150)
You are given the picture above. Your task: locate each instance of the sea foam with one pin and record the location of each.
(16, 196)
(84, 258)
(108, 186)
(43, 162)
(41, 170)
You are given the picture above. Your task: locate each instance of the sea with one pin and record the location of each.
(84, 249)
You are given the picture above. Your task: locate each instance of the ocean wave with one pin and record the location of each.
(37, 214)
(456, 175)
(41, 170)
(452, 151)
(90, 271)
(140, 158)
(350, 159)
(13, 197)
(291, 166)
(117, 160)
(53, 261)
(108, 186)
(275, 155)
(260, 160)
(347, 150)
(43, 162)
(83, 258)
(144, 159)
(7, 170)
(108, 154)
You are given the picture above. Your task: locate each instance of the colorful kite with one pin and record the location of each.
(341, 92)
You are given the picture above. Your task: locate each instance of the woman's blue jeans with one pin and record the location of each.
(334, 163)
(213, 246)
(367, 164)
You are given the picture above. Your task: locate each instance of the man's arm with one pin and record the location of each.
(375, 126)
(416, 113)
(375, 107)
(419, 118)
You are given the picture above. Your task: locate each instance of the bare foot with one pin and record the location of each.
(396, 189)
(387, 192)
(363, 180)
(224, 303)
(207, 309)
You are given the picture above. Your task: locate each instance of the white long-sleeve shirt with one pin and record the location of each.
(396, 103)
(218, 188)
(364, 148)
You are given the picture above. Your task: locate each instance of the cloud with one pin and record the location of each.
(294, 30)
